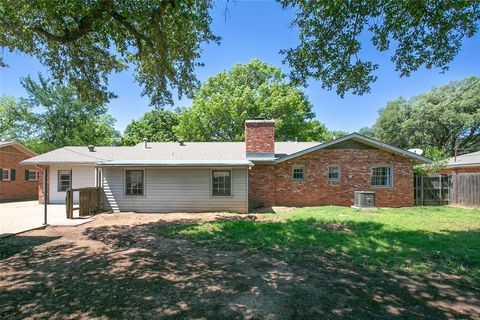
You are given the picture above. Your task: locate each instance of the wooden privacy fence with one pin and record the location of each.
(433, 189)
(89, 201)
(465, 190)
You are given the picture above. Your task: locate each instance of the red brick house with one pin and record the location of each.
(328, 173)
(17, 181)
(466, 163)
(234, 176)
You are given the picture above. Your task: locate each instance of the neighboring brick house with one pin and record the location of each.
(17, 181)
(466, 163)
(234, 176)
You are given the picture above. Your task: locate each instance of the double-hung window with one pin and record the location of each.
(64, 180)
(333, 173)
(298, 173)
(134, 182)
(382, 176)
(31, 175)
(221, 183)
(5, 174)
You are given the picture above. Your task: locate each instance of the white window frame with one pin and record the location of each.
(36, 174)
(9, 174)
(231, 183)
(389, 186)
(296, 167)
(125, 182)
(339, 173)
(59, 185)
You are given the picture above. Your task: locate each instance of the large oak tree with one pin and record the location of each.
(225, 101)
(83, 41)
(156, 125)
(54, 116)
(421, 33)
(442, 121)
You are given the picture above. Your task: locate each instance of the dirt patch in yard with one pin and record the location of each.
(250, 217)
(276, 209)
(118, 266)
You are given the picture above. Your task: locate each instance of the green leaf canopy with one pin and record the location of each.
(442, 121)
(225, 101)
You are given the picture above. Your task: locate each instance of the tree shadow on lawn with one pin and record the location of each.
(452, 256)
(367, 244)
(10, 246)
(134, 272)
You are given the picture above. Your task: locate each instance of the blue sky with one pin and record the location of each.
(260, 29)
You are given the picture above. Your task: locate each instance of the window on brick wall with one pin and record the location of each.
(31, 175)
(5, 174)
(298, 173)
(382, 176)
(333, 173)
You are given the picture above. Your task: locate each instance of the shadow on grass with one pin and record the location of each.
(363, 244)
(130, 271)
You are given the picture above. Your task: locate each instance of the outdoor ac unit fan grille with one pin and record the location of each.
(364, 199)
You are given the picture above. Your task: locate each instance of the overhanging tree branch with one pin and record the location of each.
(139, 38)
(157, 13)
(85, 24)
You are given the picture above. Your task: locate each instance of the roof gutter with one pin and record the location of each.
(45, 163)
(176, 163)
(466, 165)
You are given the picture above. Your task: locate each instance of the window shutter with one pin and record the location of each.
(1, 174)
(12, 174)
(26, 175)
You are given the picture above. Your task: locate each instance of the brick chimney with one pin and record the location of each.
(260, 138)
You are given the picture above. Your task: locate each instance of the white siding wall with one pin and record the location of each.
(174, 190)
(83, 176)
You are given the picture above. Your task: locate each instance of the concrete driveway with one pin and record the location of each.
(17, 217)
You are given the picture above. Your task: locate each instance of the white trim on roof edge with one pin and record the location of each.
(176, 163)
(466, 165)
(362, 138)
(48, 163)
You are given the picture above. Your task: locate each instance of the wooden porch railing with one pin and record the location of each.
(89, 201)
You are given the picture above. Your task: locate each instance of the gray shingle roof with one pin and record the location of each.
(191, 151)
(198, 153)
(176, 163)
(466, 160)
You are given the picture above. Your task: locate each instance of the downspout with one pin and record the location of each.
(45, 195)
(96, 177)
(248, 182)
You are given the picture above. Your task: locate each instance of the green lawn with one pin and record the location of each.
(414, 240)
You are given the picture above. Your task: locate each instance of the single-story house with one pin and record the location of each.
(466, 163)
(234, 176)
(17, 182)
